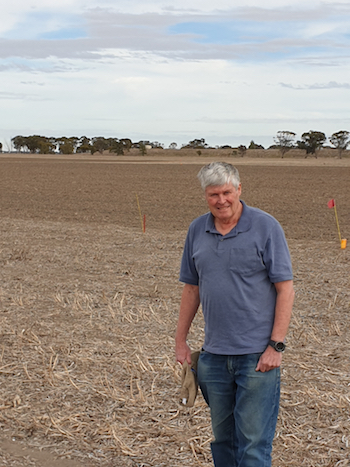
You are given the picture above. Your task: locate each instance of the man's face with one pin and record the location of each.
(223, 201)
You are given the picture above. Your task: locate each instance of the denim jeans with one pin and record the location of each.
(243, 406)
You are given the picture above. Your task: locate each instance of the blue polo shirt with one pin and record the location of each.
(236, 273)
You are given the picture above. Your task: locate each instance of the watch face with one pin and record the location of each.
(279, 346)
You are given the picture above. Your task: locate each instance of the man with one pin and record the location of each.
(236, 263)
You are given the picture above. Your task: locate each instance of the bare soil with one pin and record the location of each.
(88, 308)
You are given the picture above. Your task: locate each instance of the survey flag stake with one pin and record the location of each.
(142, 222)
(331, 204)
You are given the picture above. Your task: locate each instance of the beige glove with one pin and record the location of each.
(189, 384)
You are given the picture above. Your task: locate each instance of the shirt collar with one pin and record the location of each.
(243, 224)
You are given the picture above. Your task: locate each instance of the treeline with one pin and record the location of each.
(74, 145)
(311, 142)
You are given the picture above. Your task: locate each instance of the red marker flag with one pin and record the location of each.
(331, 204)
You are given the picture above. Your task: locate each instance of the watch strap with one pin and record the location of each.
(278, 346)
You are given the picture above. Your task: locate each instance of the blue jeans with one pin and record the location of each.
(243, 406)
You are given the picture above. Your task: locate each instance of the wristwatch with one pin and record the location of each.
(278, 346)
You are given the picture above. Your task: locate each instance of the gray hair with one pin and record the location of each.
(218, 173)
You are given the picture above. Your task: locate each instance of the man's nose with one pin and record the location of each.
(222, 199)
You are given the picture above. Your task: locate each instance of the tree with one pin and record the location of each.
(116, 146)
(65, 145)
(142, 148)
(242, 150)
(157, 145)
(19, 143)
(253, 145)
(0, 147)
(100, 144)
(173, 145)
(83, 145)
(127, 143)
(284, 141)
(35, 144)
(196, 144)
(340, 141)
(311, 142)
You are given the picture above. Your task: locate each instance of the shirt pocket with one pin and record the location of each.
(245, 261)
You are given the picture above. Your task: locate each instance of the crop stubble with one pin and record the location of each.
(88, 306)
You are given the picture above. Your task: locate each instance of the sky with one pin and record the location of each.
(226, 71)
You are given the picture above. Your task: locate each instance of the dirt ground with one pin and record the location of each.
(88, 308)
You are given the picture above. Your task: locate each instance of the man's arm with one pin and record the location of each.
(283, 311)
(188, 309)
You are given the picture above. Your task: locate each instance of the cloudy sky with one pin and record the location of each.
(227, 71)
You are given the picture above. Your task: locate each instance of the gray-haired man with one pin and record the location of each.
(236, 263)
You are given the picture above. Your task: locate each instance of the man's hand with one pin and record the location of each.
(182, 353)
(269, 360)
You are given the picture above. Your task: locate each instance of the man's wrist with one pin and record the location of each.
(279, 346)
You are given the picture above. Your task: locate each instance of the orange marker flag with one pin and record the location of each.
(331, 204)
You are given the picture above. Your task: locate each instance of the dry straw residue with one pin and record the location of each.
(87, 368)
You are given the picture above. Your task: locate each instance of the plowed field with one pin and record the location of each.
(88, 308)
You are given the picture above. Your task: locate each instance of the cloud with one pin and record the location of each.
(240, 33)
(329, 85)
(21, 96)
(156, 69)
(37, 24)
(35, 83)
(64, 34)
(36, 65)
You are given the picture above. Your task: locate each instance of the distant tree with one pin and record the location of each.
(253, 145)
(312, 141)
(75, 142)
(144, 142)
(127, 143)
(19, 143)
(340, 141)
(116, 146)
(65, 145)
(142, 148)
(100, 144)
(157, 145)
(284, 141)
(242, 150)
(110, 143)
(196, 144)
(36, 144)
(83, 145)
(173, 145)
(47, 145)
(0, 147)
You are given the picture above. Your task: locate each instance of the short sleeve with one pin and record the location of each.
(276, 256)
(188, 272)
